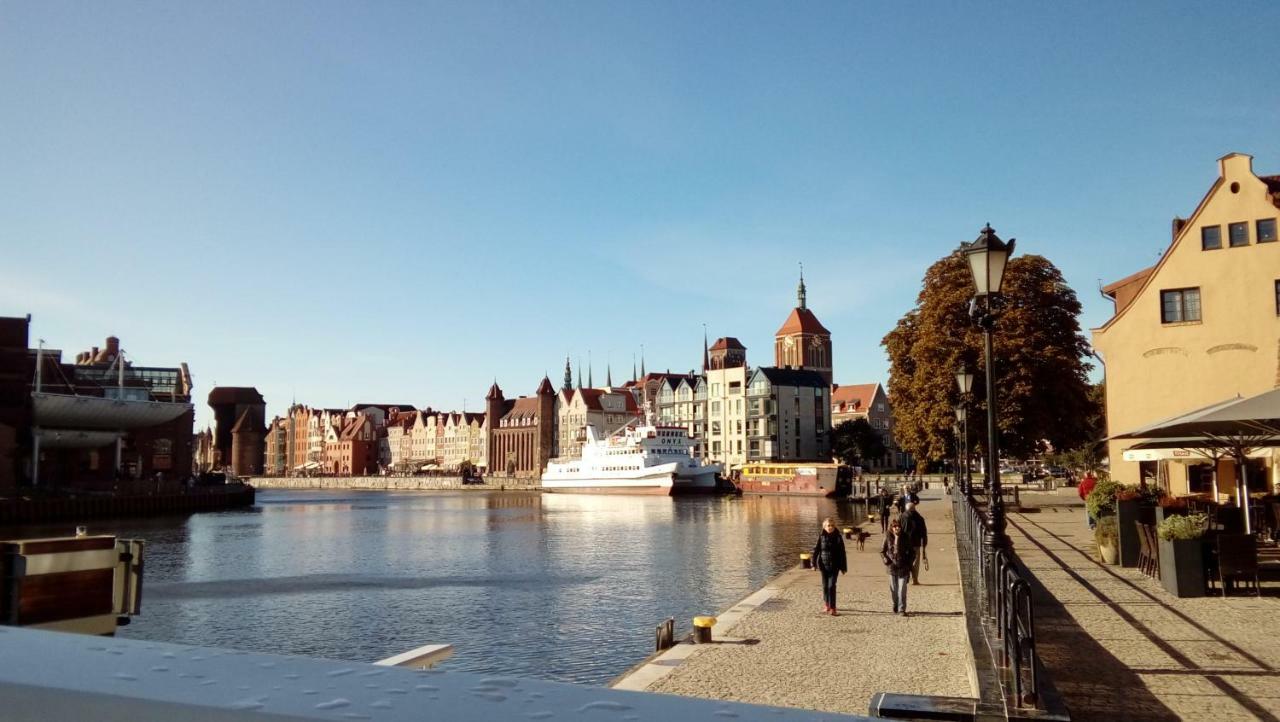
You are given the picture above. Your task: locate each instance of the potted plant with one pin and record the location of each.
(1102, 500)
(1182, 554)
(1107, 535)
(1128, 501)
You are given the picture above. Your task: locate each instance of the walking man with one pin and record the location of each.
(916, 532)
(886, 504)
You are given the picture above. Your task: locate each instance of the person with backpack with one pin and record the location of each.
(917, 533)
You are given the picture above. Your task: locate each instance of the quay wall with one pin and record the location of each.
(393, 483)
(107, 506)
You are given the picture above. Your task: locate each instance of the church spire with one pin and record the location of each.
(633, 368)
(642, 373)
(591, 382)
(706, 355)
(800, 291)
(568, 375)
(579, 372)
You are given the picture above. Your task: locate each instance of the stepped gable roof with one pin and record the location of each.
(725, 343)
(566, 395)
(854, 397)
(247, 423)
(802, 320)
(235, 395)
(792, 377)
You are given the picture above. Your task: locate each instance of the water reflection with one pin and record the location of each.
(561, 587)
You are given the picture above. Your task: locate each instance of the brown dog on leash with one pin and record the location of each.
(862, 539)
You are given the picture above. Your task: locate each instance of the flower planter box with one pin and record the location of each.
(1182, 567)
(1126, 518)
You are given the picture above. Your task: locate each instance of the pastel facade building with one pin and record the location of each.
(1199, 327)
(605, 410)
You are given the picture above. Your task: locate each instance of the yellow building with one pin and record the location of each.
(1199, 327)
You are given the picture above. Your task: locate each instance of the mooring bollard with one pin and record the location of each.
(806, 560)
(702, 629)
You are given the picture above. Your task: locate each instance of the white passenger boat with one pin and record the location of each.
(644, 459)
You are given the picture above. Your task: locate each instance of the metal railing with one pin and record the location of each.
(1007, 614)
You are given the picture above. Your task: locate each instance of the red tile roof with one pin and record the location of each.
(856, 397)
(801, 320)
(727, 342)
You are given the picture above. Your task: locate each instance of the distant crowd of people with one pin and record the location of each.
(903, 551)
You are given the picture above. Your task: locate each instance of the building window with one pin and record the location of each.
(1266, 230)
(1238, 234)
(1180, 305)
(1210, 238)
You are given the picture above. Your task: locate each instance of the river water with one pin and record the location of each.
(556, 587)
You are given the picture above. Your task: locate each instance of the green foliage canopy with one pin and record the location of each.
(855, 440)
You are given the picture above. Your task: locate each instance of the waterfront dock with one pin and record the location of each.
(777, 646)
(395, 483)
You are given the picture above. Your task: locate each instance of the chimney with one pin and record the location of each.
(1178, 225)
(113, 345)
(93, 354)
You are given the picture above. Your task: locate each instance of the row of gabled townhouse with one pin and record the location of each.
(428, 440)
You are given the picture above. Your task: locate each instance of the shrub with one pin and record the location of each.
(1179, 528)
(1102, 499)
(1108, 530)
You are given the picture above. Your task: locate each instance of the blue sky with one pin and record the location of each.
(399, 202)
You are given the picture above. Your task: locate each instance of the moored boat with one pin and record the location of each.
(645, 459)
(793, 478)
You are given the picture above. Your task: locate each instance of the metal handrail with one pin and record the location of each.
(1007, 612)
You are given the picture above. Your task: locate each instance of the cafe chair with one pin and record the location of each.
(1238, 557)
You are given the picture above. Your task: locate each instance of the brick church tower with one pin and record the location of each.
(803, 342)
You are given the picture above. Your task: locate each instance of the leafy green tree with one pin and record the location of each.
(1042, 389)
(856, 440)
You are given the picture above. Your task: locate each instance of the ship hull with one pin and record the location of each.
(783, 488)
(661, 485)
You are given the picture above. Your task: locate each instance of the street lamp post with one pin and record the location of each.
(964, 381)
(988, 256)
(962, 414)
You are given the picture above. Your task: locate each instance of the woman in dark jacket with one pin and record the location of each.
(828, 558)
(898, 553)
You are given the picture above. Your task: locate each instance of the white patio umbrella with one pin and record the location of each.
(1237, 426)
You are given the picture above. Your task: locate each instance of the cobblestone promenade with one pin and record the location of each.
(782, 650)
(1121, 648)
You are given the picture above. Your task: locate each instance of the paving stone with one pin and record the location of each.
(1119, 647)
(804, 658)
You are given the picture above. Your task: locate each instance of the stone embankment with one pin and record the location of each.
(392, 483)
(47, 510)
(777, 647)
